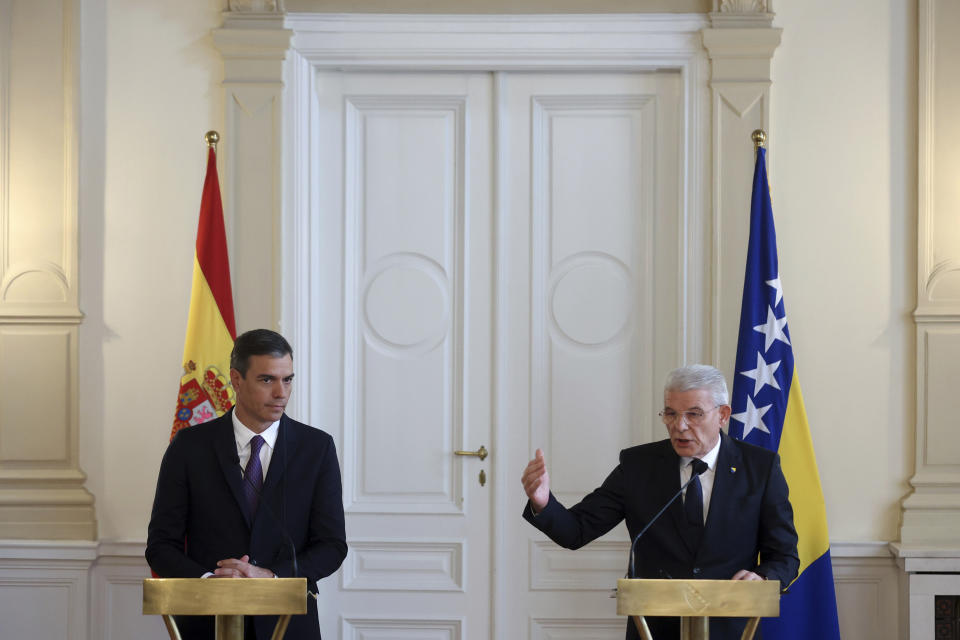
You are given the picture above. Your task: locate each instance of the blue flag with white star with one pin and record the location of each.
(768, 411)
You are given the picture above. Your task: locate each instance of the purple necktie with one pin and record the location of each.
(253, 477)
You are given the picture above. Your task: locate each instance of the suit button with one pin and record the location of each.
(696, 571)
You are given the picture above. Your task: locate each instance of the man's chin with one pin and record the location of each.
(684, 449)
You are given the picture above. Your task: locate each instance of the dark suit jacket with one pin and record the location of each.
(199, 498)
(750, 516)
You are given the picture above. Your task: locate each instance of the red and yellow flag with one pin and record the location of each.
(205, 390)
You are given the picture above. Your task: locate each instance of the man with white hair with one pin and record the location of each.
(734, 520)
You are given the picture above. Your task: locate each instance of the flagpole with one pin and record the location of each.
(212, 138)
(759, 137)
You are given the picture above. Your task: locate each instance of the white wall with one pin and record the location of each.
(842, 159)
(843, 176)
(151, 89)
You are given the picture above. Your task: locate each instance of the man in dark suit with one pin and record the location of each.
(735, 520)
(252, 494)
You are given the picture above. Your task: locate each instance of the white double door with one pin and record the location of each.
(499, 266)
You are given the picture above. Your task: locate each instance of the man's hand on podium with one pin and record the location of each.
(743, 574)
(233, 568)
(536, 482)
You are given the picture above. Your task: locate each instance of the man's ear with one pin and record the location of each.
(235, 378)
(725, 412)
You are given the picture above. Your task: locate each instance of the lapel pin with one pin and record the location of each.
(733, 469)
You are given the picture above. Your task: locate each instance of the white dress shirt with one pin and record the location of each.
(243, 436)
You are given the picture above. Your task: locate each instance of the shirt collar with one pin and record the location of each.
(244, 435)
(710, 458)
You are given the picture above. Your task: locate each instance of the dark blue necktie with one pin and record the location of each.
(253, 477)
(693, 499)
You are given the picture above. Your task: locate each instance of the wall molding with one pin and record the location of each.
(101, 591)
(740, 55)
(41, 483)
(496, 43)
(931, 514)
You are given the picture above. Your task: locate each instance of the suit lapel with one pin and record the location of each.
(668, 483)
(724, 487)
(286, 442)
(271, 495)
(225, 445)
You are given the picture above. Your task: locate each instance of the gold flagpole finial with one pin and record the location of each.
(212, 138)
(759, 137)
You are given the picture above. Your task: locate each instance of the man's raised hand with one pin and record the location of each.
(536, 482)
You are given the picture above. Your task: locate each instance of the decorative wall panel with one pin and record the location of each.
(577, 628)
(400, 629)
(41, 484)
(932, 513)
(116, 595)
(15, 596)
(44, 589)
(38, 214)
(409, 565)
(740, 80)
(592, 280)
(254, 47)
(867, 582)
(252, 126)
(403, 283)
(31, 429)
(593, 568)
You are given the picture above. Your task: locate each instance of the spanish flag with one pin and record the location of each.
(205, 390)
(768, 411)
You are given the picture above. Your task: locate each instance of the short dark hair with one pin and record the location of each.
(257, 342)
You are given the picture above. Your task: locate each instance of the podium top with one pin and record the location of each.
(697, 598)
(224, 596)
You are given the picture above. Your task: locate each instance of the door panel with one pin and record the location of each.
(589, 321)
(499, 267)
(413, 216)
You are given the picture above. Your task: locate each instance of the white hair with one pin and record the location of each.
(699, 376)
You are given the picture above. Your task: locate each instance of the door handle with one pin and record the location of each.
(479, 453)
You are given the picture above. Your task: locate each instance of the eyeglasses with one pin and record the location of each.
(693, 417)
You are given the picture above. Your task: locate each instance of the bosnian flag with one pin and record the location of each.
(768, 411)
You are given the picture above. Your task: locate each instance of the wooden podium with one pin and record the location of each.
(227, 599)
(694, 601)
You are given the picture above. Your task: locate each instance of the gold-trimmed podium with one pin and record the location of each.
(694, 601)
(226, 599)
